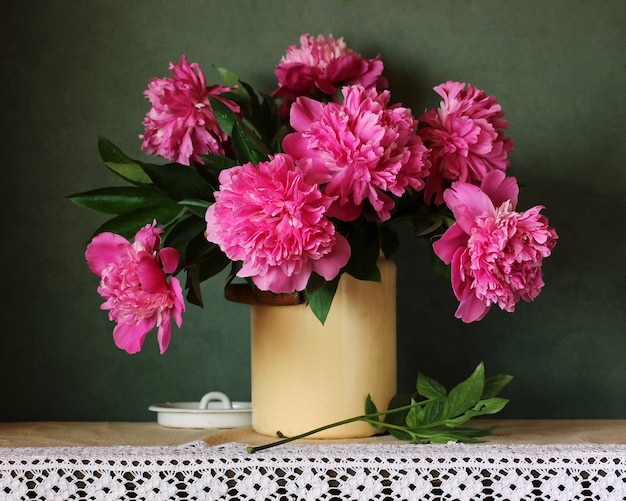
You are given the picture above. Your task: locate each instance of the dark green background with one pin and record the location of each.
(73, 70)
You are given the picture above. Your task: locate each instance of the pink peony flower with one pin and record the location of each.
(366, 149)
(134, 285)
(324, 65)
(496, 253)
(181, 124)
(273, 218)
(465, 137)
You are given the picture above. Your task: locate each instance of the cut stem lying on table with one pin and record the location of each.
(435, 419)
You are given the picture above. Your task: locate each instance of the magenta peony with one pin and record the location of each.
(272, 217)
(465, 137)
(366, 149)
(181, 124)
(495, 252)
(135, 287)
(324, 65)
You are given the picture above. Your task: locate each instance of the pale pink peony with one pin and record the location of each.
(465, 135)
(134, 284)
(495, 252)
(272, 217)
(181, 124)
(324, 65)
(366, 149)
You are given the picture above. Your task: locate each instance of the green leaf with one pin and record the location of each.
(198, 249)
(120, 163)
(197, 207)
(240, 93)
(183, 230)
(483, 407)
(370, 406)
(230, 78)
(459, 420)
(315, 283)
(406, 207)
(235, 266)
(247, 147)
(225, 117)
(365, 246)
(214, 262)
(179, 182)
(445, 435)
(119, 199)
(111, 153)
(130, 172)
(491, 405)
(439, 267)
(400, 434)
(194, 292)
(416, 416)
(398, 401)
(217, 163)
(321, 300)
(202, 260)
(389, 241)
(427, 387)
(206, 257)
(435, 412)
(129, 223)
(467, 393)
(494, 385)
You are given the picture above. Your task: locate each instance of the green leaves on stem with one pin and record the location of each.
(176, 195)
(434, 419)
(438, 417)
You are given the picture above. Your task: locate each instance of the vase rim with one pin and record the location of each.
(247, 294)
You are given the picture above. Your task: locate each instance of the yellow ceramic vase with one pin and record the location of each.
(306, 375)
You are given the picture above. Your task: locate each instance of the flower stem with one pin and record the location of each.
(369, 418)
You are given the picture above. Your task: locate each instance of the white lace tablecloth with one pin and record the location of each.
(197, 471)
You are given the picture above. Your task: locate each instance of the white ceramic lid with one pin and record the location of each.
(215, 410)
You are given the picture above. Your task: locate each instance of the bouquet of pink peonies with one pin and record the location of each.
(293, 188)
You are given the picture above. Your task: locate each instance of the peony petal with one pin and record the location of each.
(149, 236)
(295, 146)
(453, 239)
(461, 285)
(326, 87)
(276, 281)
(500, 188)
(164, 333)
(295, 79)
(130, 337)
(346, 211)
(104, 249)
(304, 112)
(467, 202)
(169, 259)
(341, 70)
(179, 303)
(471, 309)
(330, 265)
(150, 274)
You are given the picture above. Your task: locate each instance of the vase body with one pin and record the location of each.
(306, 375)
